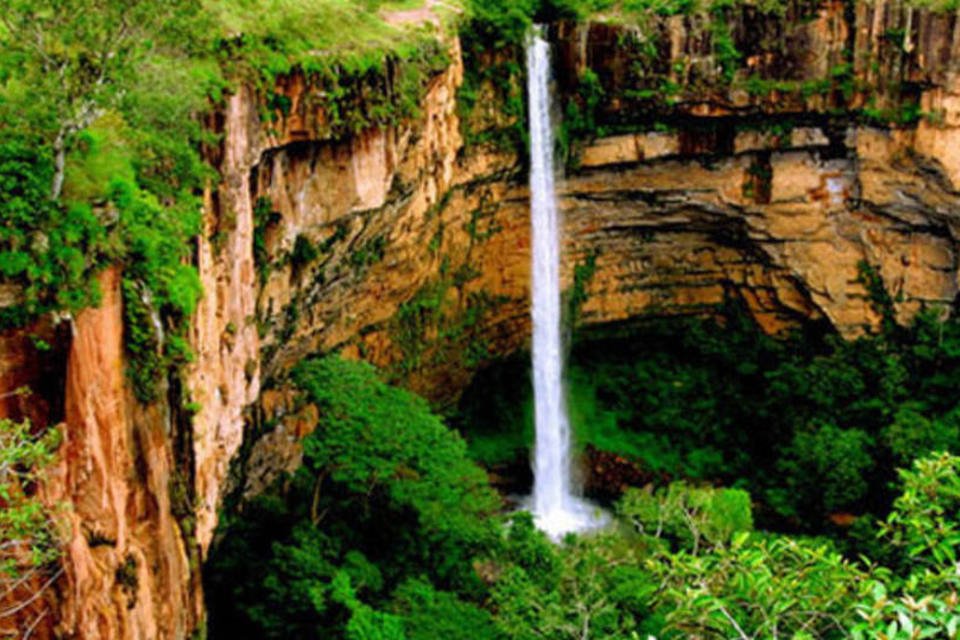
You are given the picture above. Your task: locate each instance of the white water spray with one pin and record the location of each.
(555, 507)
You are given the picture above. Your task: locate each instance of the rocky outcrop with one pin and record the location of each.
(779, 195)
(224, 378)
(784, 218)
(113, 491)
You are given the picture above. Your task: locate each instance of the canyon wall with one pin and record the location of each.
(788, 195)
(127, 570)
(408, 246)
(777, 185)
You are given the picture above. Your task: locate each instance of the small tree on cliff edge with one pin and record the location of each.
(65, 63)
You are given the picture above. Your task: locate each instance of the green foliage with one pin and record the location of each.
(691, 518)
(100, 161)
(372, 72)
(160, 291)
(749, 585)
(496, 415)
(758, 587)
(664, 8)
(912, 434)
(47, 250)
(903, 617)
(811, 425)
(428, 614)
(583, 273)
(304, 252)
(826, 466)
(369, 253)
(263, 217)
(500, 23)
(877, 294)
(580, 121)
(107, 96)
(404, 442)
(724, 48)
(548, 592)
(65, 64)
(684, 563)
(490, 101)
(29, 539)
(921, 599)
(441, 322)
(923, 523)
(378, 526)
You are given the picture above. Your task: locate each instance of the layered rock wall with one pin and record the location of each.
(773, 183)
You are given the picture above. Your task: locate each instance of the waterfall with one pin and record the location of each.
(555, 507)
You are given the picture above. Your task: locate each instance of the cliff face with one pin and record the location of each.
(774, 189)
(127, 566)
(404, 247)
(112, 491)
(777, 189)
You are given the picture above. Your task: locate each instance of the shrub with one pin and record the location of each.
(29, 542)
(48, 250)
(920, 598)
(825, 469)
(690, 517)
(385, 496)
(757, 587)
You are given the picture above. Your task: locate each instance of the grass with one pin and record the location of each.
(355, 33)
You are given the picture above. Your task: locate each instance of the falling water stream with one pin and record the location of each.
(555, 506)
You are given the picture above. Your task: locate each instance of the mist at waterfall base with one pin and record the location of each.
(556, 508)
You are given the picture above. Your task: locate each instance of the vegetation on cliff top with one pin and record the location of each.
(101, 136)
(95, 96)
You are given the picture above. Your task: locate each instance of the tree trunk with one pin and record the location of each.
(59, 164)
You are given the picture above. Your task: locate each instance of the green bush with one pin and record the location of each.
(48, 250)
(924, 524)
(428, 614)
(824, 470)
(386, 501)
(160, 288)
(545, 591)
(758, 587)
(919, 598)
(29, 540)
(690, 517)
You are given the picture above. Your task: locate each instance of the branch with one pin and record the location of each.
(33, 597)
(739, 630)
(29, 632)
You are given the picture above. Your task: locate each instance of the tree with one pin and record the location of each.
(590, 587)
(920, 597)
(65, 63)
(47, 250)
(386, 512)
(757, 587)
(690, 517)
